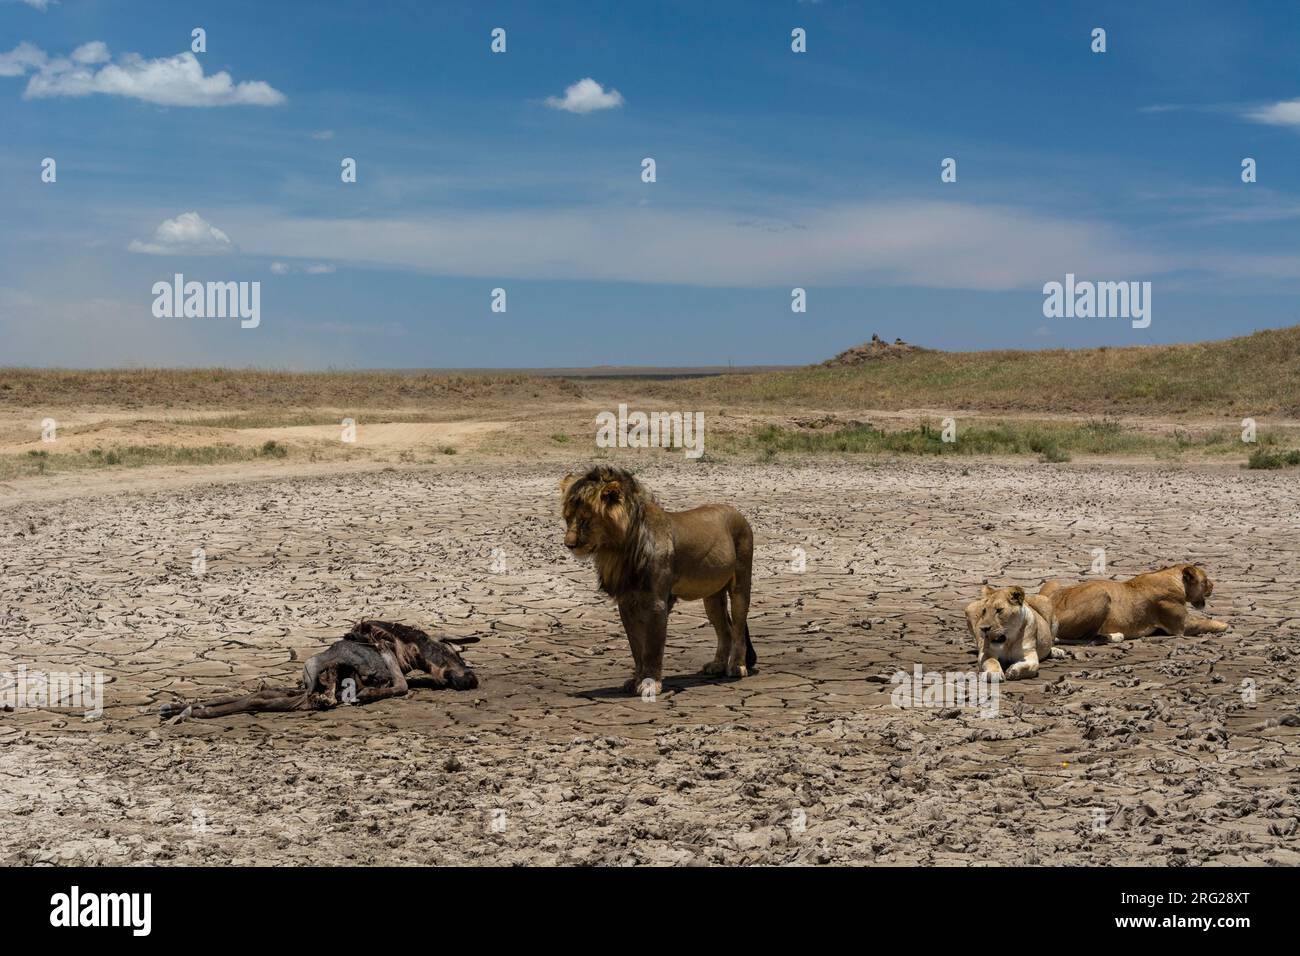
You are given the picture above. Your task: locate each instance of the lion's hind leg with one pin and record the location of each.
(715, 607)
(740, 656)
(1082, 619)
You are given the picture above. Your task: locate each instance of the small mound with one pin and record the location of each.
(873, 351)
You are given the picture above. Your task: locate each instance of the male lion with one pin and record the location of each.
(1012, 631)
(1151, 603)
(646, 558)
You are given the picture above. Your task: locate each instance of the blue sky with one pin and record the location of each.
(774, 170)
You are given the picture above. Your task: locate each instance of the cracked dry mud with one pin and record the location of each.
(546, 762)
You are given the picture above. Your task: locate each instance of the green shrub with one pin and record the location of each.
(1267, 458)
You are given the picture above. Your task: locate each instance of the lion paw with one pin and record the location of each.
(737, 670)
(714, 668)
(632, 685)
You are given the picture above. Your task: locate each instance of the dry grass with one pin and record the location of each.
(132, 456)
(1053, 404)
(221, 388)
(270, 418)
(1253, 375)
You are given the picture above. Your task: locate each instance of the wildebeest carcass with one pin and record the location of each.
(371, 662)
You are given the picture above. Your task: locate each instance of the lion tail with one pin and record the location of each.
(751, 658)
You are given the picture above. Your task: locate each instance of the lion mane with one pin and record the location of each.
(626, 567)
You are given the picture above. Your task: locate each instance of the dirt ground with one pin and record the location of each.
(1153, 751)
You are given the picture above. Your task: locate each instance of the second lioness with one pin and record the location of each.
(1151, 603)
(647, 558)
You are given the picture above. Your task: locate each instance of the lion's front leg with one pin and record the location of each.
(1025, 668)
(991, 666)
(1172, 617)
(632, 616)
(1203, 625)
(655, 638)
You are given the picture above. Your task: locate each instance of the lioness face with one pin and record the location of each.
(595, 516)
(1198, 585)
(996, 613)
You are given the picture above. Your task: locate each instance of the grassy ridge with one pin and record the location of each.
(257, 388)
(1252, 375)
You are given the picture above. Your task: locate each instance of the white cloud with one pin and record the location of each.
(41, 5)
(187, 234)
(586, 96)
(20, 59)
(1285, 113)
(323, 134)
(921, 244)
(167, 81)
(279, 269)
(96, 51)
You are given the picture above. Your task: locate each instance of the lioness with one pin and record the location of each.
(1151, 603)
(1012, 632)
(646, 558)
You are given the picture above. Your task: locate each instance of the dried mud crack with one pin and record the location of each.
(1160, 740)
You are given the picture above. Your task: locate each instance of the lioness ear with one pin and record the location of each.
(611, 492)
(566, 483)
(986, 592)
(1017, 595)
(1189, 574)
